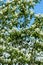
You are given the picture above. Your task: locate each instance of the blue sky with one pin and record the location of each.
(39, 7)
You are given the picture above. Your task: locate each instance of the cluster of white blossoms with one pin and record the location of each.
(19, 43)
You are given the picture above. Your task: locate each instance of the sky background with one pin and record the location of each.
(39, 7)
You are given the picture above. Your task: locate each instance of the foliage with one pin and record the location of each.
(19, 43)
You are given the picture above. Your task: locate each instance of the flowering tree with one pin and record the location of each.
(19, 43)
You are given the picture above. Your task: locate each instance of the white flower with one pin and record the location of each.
(28, 55)
(1, 40)
(36, 15)
(0, 63)
(41, 43)
(14, 60)
(37, 41)
(22, 50)
(39, 56)
(33, 25)
(41, 33)
(41, 15)
(8, 0)
(37, 30)
(1, 0)
(1, 12)
(31, 12)
(4, 47)
(39, 59)
(5, 54)
(26, 64)
(16, 63)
